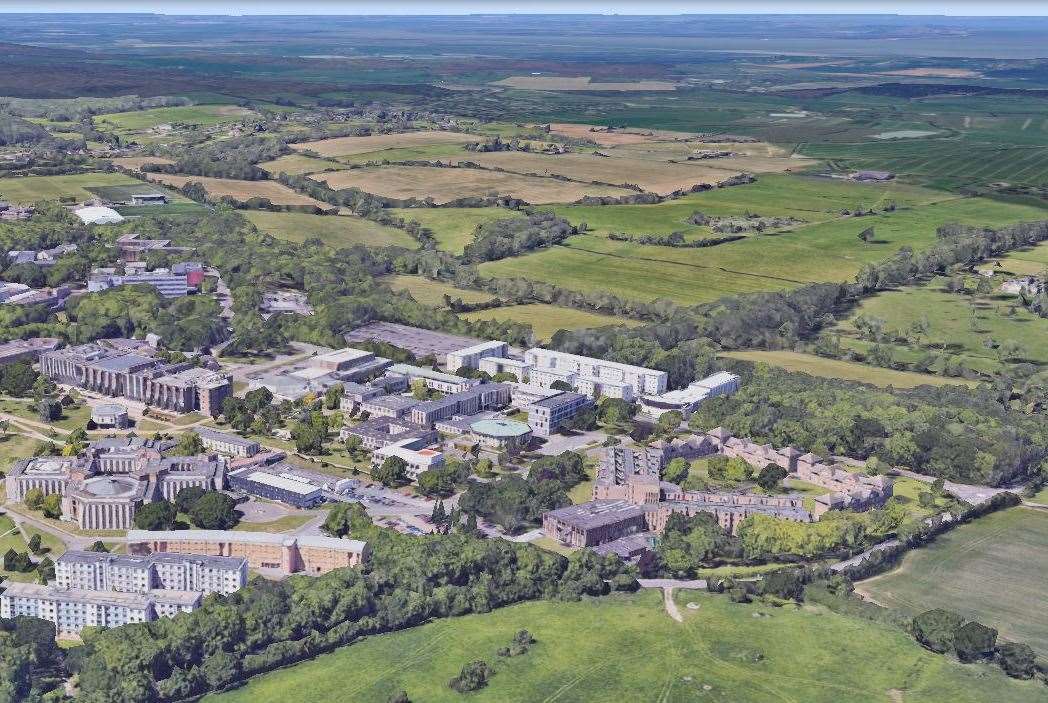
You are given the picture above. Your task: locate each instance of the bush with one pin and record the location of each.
(1017, 660)
(935, 629)
(473, 677)
(974, 641)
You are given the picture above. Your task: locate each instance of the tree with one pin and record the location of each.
(1017, 660)
(346, 519)
(974, 641)
(676, 471)
(393, 471)
(770, 476)
(400, 697)
(333, 396)
(186, 498)
(17, 379)
(49, 410)
(33, 498)
(214, 511)
(189, 444)
(560, 385)
(10, 558)
(473, 677)
(866, 236)
(98, 546)
(46, 570)
(52, 506)
(34, 543)
(668, 422)
(309, 438)
(935, 629)
(158, 515)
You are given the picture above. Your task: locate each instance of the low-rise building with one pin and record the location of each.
(227, 443)
(284, 487)
(110, 415)
(687, 400)
(311, 554)
(501, 436)
(548, 415)
(378, 432)
(594, 523)
(395, 406)
(414, 454)
(486, 396)
(593, 377)
(27, 349)
(492, 365)
(167, 283)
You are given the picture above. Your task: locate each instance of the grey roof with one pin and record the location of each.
(84, 557)
(597, 513)
(270, 538)
(130, 600)
(393, 402)
(123, 362)
(556, 401)
(229, 438)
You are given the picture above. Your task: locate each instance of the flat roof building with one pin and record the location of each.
(687, 400)
(128, 573)
(226, 442)
(435, 380)
(485, 396)
(110, 415)
(27, 349)
(282, 487)
(470, 356)
(418, 459)
(547, 415)
(594, 377)
(378, 432)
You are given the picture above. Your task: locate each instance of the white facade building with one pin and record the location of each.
(687, 400)
(593, 377)
(470, 356)
(99, 571)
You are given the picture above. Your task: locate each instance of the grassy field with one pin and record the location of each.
(447, 184)
(31, 189)
(452, 152)
(240, 190)
(545, 320)
(824, 251)
(345, 146)
(847, 370)
(964, 323)
(625, 648)
(201, 115)
(14, 447)
(284, 524)
(1027, 262)
(991, 569)
(453, 227)
(334, 230)
(432, 293)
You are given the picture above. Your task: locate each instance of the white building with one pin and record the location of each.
(98, 215)
(687, 400)
(470, 356)
(593, 377)
(164, 571)
(418, 460)
(435, 380)
(71, 610)
(227, 443)
(492, 365)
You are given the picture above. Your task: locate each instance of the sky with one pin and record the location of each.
(955, 8)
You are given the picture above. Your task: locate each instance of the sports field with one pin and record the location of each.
(432, 293)
(335, 230)
(31, 189)
(626, 648)
(991, 569)
(453, 228)
(240, 190)
(345, 146)
(447, 184)
(847, 370)
(545, 320)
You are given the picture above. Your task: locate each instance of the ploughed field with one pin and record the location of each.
(626, 648)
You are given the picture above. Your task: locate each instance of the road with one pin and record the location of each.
(973, 494)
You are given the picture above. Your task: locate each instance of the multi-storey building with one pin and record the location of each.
(417, 456)
(27, 349)
(99, 571)
(470, 356)
(687, 400)
(593, 377)
(167, 283)
(227, 443)
(435, 380)
(118, 373)
(486, 396)
(311, 554)
(547, 415)
(378, 432)
(71, 610)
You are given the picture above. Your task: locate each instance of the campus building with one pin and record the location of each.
(486, 396)
(414, 453)
(227, 443)
(311, 554)
(434, 380)
(378, 432)
(71, 610)
(108, 370)
(470, 357)
(593, 377)
(125, 573)
(110, 415)
(547, 415)
(283, 486)
(687, 400)
(27, 349)
(167, 283)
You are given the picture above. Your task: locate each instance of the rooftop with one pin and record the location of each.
(129, 600)
(500, 428)
(270, 538)
(596, 513)
(282, 482)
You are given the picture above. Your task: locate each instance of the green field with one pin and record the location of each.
(847, 370)
(626, 648)
(545, 320)
(1027, 262)
(432, 152)
(429, 292)
(952, 323)
(297, 164)
(31, 189)
(335, 230)
(826, 251)
(201, 115)
(453, 227)
(991, 570)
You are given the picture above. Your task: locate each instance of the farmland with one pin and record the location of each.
(847, 370)
(453, 227)
(346, 146)
(432, 293)
(240, 190)
(545, 320)
(297, 164)
(334, 230)
(580, 83)
(201, 115)
(991, 569)
(627, 648)
(31, 189)
(824, 251)
(447, 184)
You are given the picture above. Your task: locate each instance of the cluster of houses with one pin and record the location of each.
(631, 503)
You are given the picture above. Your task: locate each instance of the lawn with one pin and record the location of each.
(453, 228)
(1027, 262)
(545, 319)
(297, 164)
(824, 251)
(14, 447)
(335, 230)
(284, 524)
(625, 648)
(31, 189)
(345, 146)
(847, 370)
(429, 292)
(241, 191)
(991, 570)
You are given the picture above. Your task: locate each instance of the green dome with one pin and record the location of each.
(500, 428)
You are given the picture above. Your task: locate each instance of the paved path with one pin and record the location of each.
(973, 494)
(668, 586)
